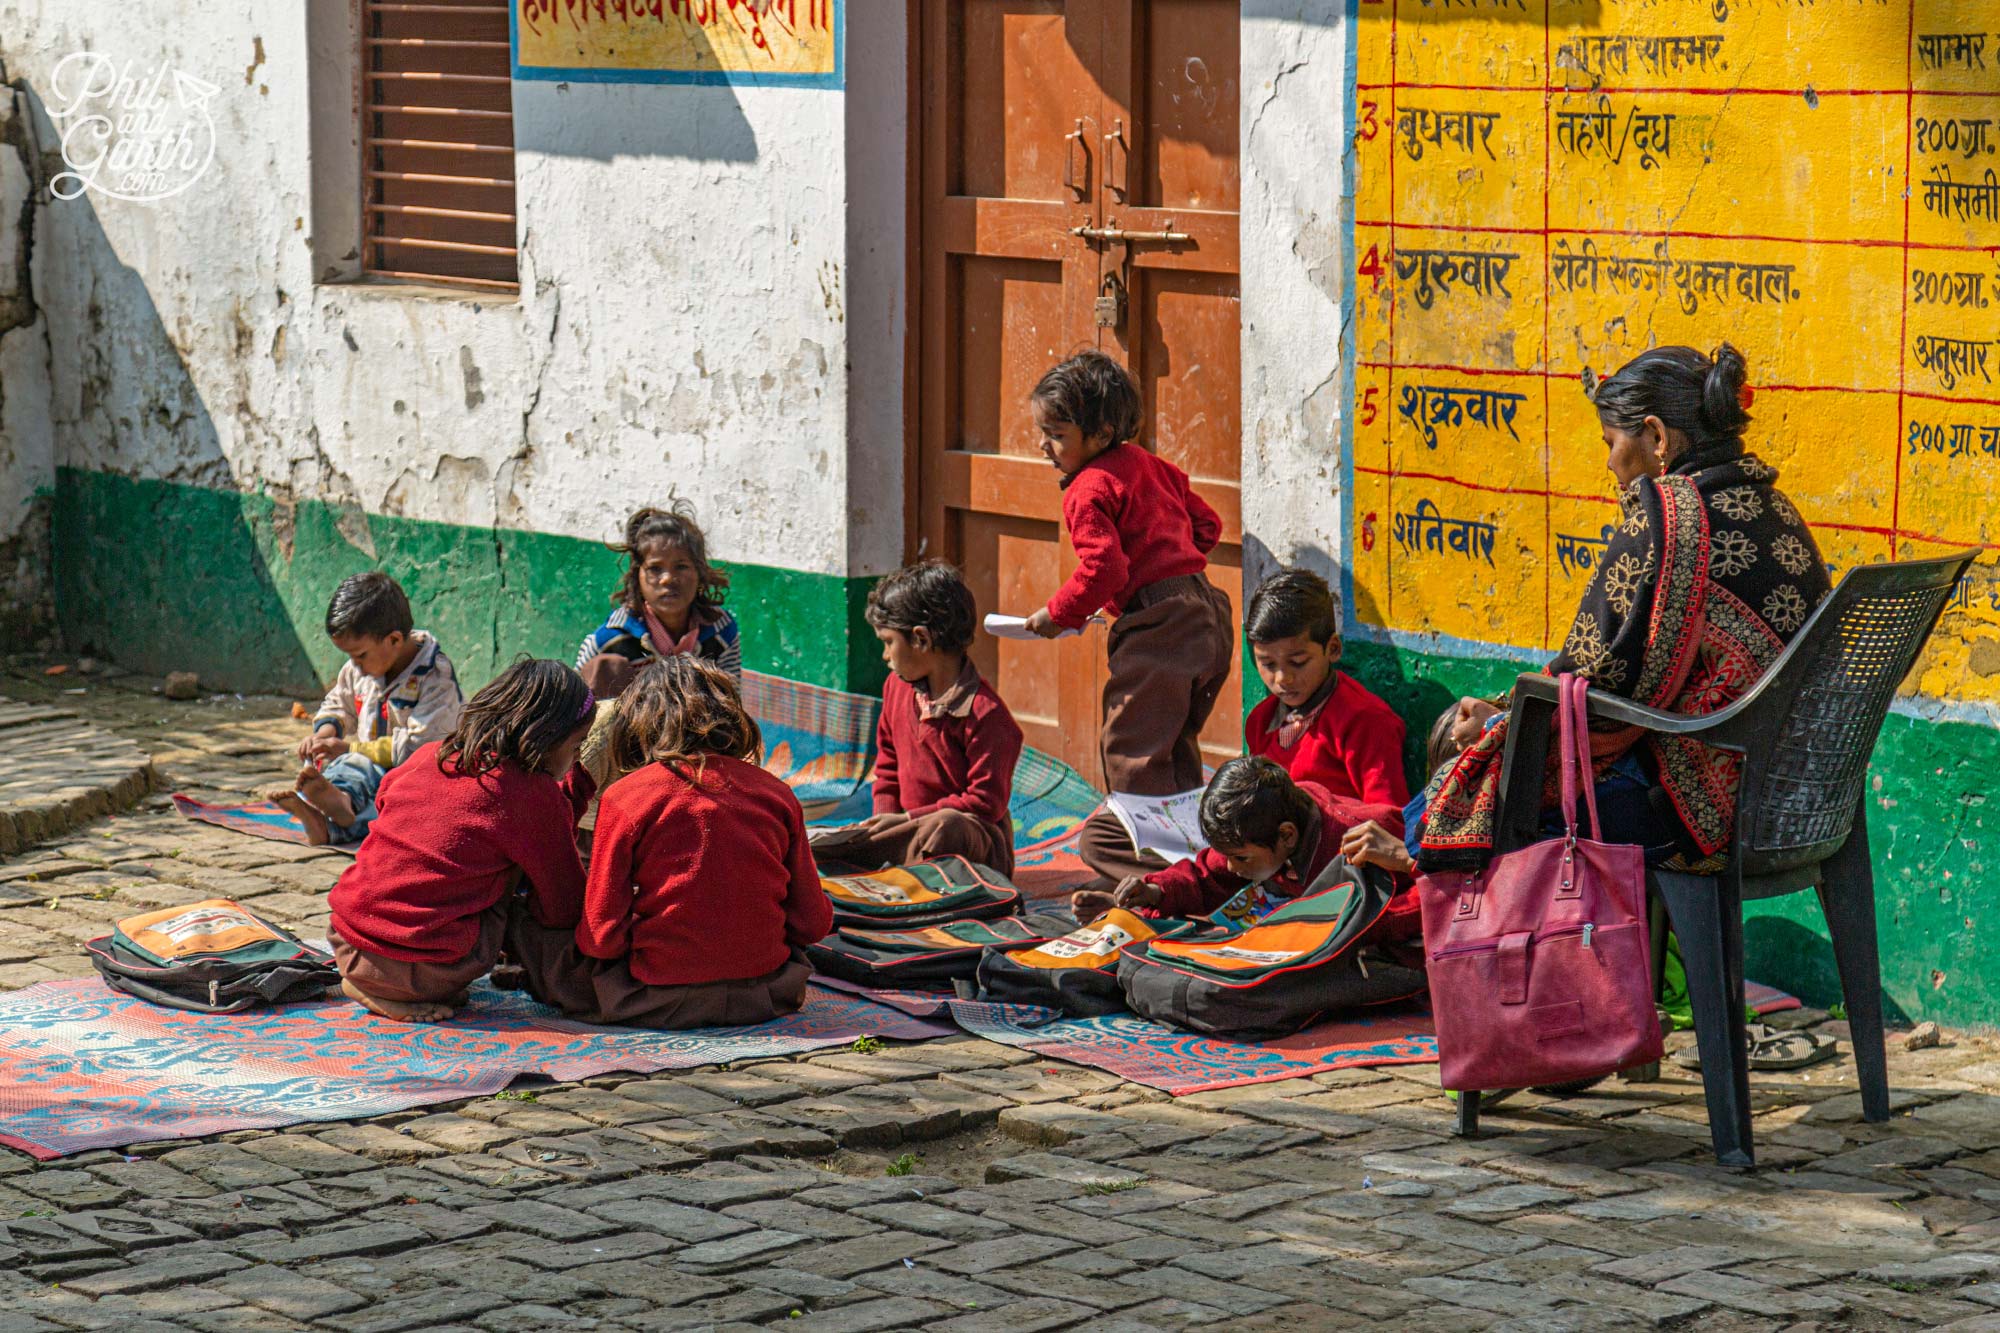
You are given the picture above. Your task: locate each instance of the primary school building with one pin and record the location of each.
(449, 287)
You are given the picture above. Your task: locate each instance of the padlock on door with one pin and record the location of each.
(1110, 306)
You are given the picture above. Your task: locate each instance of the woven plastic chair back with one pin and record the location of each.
(1807, 758)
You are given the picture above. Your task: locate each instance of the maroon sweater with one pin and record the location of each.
(962, 759)
(701, 875)
(1133, 520)
(445, 847)
(1353, 748)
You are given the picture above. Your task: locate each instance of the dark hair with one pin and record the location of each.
(522, 715)
(679, 710)
(930, 593)
(370, 606)
(1699, 396)
(1289, 603)
(1437, 746)
(675, 526)
(1092, 392)
(1246, 802)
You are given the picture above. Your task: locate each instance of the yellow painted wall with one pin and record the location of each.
(1549, 186)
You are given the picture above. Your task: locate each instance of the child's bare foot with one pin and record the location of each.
(318, 831)
(323, 796)
(401, 1011)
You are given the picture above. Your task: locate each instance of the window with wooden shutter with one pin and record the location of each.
(437, 142)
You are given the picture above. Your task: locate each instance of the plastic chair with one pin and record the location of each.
(1805, 732)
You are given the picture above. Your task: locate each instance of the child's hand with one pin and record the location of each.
(1133, 892)
(1369, 844)
(1089, 904)
(324, 747)
(1471, 724)
(1044, 624)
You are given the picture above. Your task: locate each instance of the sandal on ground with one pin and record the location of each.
(1772, 1050)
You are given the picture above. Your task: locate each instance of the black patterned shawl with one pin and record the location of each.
(1699, 590)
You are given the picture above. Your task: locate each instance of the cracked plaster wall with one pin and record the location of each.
(1295, 212)
(682, 326)
(27, 440)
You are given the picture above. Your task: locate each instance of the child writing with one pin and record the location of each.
(1269, 840)
(395, 692)
(473, 849)
(669, 603)
(1320, 724)
(1142, 538)
(946, 746)
(702, 892)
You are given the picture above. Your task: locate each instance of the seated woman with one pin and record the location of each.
(1699, 590)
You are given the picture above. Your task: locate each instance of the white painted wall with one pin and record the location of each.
(27, 441)
(683, 323)
(1297, 69)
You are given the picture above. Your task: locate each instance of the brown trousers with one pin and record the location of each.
(939, 833)
(1103, 844)
(1169, 656)
(507, 925)
(596, 990)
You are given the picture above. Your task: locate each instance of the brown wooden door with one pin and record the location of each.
(1040, 117)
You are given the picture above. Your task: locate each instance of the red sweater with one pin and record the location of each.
(1199, 886)
(701, 875)
(962, 760)
(445, 847)
(1133, 521)
(1354, 749)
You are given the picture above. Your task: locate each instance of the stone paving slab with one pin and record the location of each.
(955, 1184)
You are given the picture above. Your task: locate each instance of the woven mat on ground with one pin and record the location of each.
(84, 1067)
(260, 819)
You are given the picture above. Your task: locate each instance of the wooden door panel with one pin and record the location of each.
(1021, 65)
(1184, 153)
(1003, 311)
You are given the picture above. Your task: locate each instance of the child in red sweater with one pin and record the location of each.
(473, 847)
(946, 746)
(1270, 840)
(702, 893)
(1142, 538)
(1320, 724)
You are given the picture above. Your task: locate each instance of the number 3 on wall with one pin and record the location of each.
(1368, 128)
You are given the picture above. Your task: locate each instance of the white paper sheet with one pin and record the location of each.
(1016, 627)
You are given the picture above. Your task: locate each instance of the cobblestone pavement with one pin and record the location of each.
(1034, 1195)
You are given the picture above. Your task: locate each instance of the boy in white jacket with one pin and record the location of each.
(396, 692)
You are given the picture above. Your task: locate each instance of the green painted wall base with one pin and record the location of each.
(160, 577)
(1931, 783)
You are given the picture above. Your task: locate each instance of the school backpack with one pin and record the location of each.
(1077, 973)
(1306, 959)
(213, 957)
(928, 893)
(927, 958)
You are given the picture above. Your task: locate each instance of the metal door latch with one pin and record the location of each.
(1118, 234)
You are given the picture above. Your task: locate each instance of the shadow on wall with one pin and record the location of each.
(153, 575)
(606, 120)
(1798, 959)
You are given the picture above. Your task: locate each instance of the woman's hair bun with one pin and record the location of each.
(1722, 408)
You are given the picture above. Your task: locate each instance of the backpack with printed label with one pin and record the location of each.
(928, 893)
(929, 957)
(1077, 973)
(1308, 958)
(212, 957)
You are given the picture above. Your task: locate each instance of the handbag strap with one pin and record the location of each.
(1573, 740)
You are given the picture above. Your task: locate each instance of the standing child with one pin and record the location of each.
(702, 892)
(1320, 724)
(467, 827)
(1142, 538)
(946, 746)
(395, 692)
(669, 603)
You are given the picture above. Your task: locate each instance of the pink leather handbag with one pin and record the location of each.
(1541, 964)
